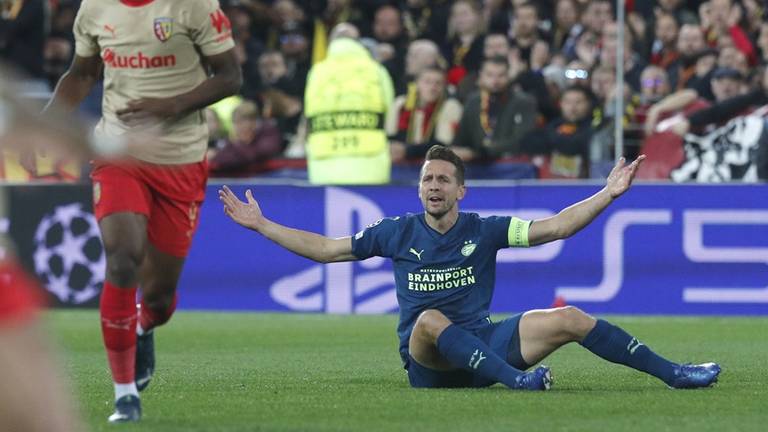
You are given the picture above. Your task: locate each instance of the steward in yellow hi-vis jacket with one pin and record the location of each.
(348, 95)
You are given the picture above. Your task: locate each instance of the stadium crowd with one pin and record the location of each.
(503, 81)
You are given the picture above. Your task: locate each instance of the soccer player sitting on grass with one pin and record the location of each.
(445, 263)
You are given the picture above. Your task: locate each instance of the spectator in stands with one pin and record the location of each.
(333, 13)
(295, 48)
(427, 19)
(678, 10)
(730, 56)
(388, 31)
(273, 73)
(665, 146)
(63, 19)
(348, 94)
(596, 16)
(286, 17)
(254, 139)
(422, 54)
(464, 47)
(720, 19)
(422, 118)
(664, 49)
(654, 86)
(242, 23)
(754, 14)
(494, 45)
(23, 29)
(495, 118)
(520, 75)
(727, 83)
(527, 38)
(57, 56)
(603, 84)
(247, 48)
(586, 49)
(566, 25)
(567, 139)
(633, 64)
(282, 96)
(691, 45)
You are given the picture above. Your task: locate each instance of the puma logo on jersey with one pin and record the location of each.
(110, 29)
(634, 344)
(418, 254)
(476, 355)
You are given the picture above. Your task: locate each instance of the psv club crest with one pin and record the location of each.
(163, 28)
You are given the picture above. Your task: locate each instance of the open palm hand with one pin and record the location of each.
(621, 176)
(247, 214)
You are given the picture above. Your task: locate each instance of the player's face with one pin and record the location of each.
(439, 190)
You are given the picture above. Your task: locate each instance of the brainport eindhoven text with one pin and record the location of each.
(440, 279)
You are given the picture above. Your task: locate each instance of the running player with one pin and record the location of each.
(163, 61)
(445, 264)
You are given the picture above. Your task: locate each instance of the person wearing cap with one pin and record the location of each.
(727, 83)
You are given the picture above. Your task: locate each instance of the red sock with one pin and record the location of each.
(150, 318)
(118, 326)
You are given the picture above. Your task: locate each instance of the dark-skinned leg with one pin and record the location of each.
(160, 274)
(124, 236)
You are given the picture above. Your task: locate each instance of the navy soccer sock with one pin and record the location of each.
(463, 350)
(615, 345)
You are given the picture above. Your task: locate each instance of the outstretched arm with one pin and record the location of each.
(309, 245)
(572, 219)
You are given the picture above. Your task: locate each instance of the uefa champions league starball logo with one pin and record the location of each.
(69, 257)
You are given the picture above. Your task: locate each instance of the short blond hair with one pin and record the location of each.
(246, 110)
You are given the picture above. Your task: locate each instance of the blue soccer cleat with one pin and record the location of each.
(688, 376)
(538, 379)
(127, 409)
(145, 359)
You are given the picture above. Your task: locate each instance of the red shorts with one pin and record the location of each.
(20, 295)
(168, 195)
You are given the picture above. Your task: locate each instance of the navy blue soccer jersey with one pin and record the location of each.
(452, 272)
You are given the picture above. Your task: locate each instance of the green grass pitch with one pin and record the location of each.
(289, 372)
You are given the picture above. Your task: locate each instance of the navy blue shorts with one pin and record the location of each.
(502, 337)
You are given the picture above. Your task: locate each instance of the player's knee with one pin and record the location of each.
(430, 324)
(123, 268)
(574, 323)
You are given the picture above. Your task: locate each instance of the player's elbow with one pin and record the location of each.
(325, 254)
(565, 232)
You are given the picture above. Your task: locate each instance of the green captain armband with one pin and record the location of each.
(517, 235)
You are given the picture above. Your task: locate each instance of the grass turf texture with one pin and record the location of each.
(282, 372)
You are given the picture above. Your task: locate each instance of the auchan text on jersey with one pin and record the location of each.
(137, 61)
